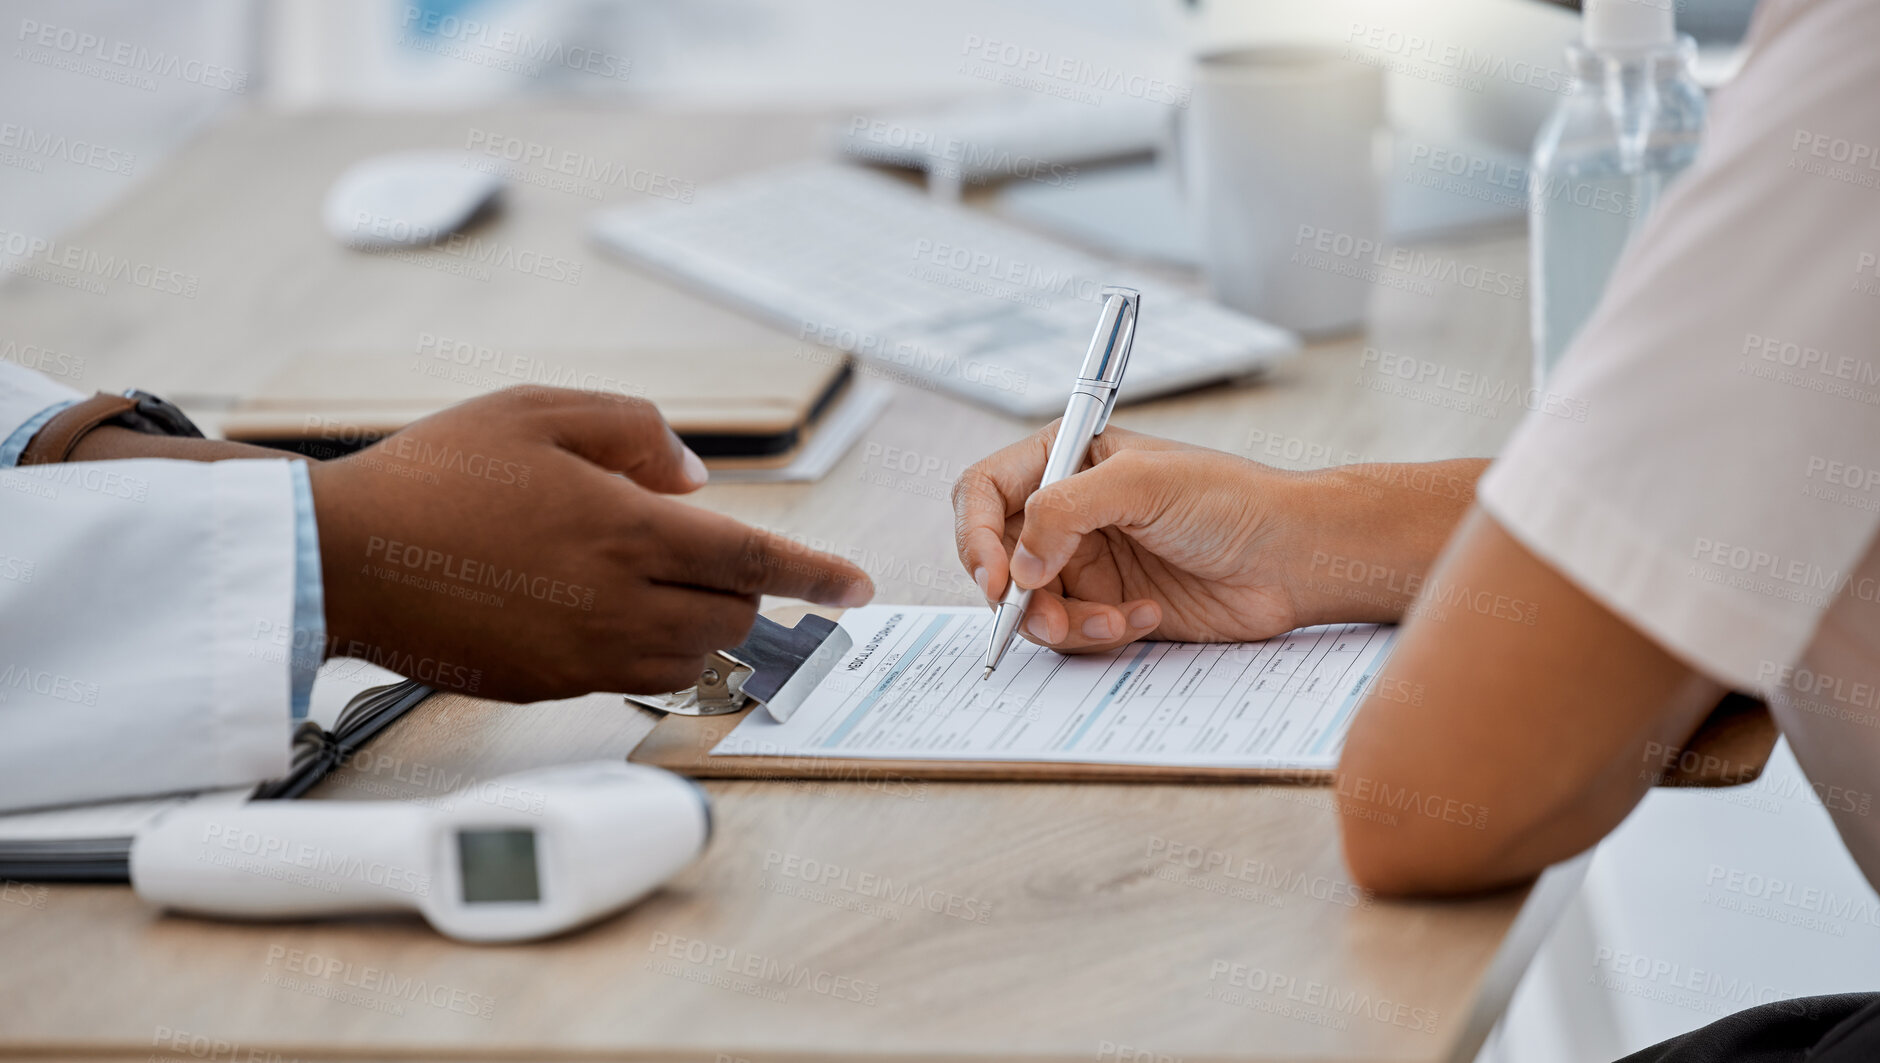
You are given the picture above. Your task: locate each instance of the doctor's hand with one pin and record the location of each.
(492, 546)
(1196, 545)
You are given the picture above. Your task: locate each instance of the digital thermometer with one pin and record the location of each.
(509, 859)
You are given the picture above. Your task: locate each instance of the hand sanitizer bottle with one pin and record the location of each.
(1630, 123)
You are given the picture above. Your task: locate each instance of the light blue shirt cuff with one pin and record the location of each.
(15, 445)
(308, 649)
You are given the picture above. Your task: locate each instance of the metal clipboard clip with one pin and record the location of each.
(775, 666)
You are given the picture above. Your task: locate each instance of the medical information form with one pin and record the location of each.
(911, 690)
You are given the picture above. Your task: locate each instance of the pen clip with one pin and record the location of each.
(1103, 419)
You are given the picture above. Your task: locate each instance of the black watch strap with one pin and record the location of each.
(156, 417)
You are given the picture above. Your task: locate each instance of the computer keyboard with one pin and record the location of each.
(939, 295)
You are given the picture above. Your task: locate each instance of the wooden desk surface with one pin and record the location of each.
(862, 920)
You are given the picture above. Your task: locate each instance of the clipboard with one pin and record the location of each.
(1729, 748)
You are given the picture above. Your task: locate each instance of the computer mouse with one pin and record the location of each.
(409, 199)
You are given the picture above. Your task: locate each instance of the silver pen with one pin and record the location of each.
(1085, 415)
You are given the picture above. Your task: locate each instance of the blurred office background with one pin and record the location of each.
(842, 55)
(1658, 941)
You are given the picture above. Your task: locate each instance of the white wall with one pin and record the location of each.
(1701, 904)
(74, 83)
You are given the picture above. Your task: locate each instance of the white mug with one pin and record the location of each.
(1282, 158)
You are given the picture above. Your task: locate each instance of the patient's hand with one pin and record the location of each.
(1191, 544)
(494, 538)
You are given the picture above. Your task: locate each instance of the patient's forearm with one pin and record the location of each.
(1374, 533)
(1514, 725)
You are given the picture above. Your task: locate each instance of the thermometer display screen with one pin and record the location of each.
(497, 866)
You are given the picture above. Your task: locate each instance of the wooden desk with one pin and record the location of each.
(1037, 922)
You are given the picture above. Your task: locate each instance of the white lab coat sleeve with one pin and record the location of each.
(146, 616)
(26, 397)
(24, 393)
